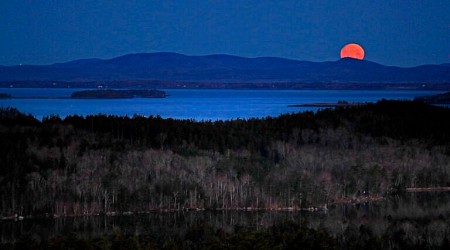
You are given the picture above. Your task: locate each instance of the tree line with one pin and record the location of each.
(109, 164)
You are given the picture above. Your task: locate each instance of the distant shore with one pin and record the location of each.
(266, 85)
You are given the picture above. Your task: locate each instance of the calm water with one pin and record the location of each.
(193, 103)
(431, 207)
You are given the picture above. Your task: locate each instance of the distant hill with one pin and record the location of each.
(224, 68)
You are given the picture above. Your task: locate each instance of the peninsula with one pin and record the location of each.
(329, 105)
(435, 99)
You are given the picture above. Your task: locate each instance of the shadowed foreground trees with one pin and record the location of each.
(105, 164)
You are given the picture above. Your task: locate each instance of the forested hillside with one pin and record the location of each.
(213, 69)
(106, 164)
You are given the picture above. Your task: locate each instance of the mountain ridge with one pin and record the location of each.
(168, 66)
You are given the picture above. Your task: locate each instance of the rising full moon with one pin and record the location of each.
(352, 50)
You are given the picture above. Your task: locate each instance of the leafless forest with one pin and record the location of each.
(105, 164)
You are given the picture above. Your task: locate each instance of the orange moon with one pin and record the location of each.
(352, 50)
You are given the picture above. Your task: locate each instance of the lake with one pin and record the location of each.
(197, 104)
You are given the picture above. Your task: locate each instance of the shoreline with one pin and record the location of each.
(330, 105)
(318, 208)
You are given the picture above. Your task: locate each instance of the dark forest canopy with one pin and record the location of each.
(103, 164)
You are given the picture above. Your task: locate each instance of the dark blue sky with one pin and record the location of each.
(392, 32)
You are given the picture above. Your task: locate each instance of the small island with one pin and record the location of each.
(435, 99)
(5, 96)
(118, 94)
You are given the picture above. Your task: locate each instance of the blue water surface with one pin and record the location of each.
(197, 104)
